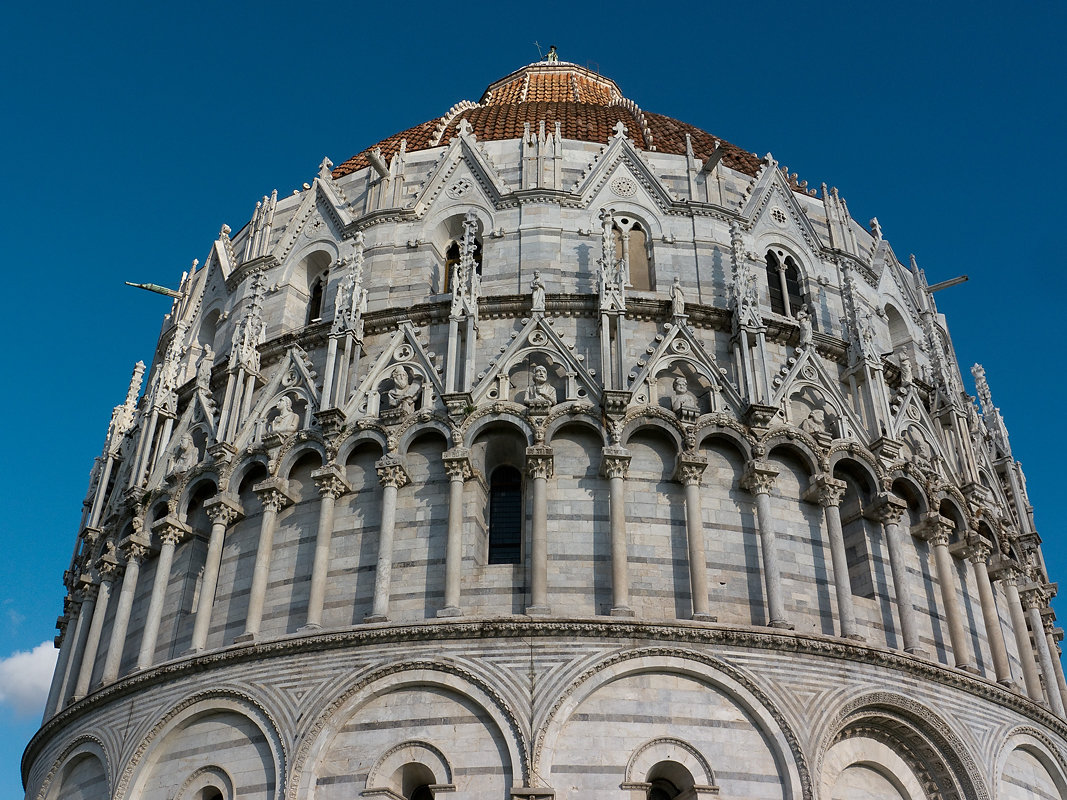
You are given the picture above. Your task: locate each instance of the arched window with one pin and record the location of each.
(505, 516)
(318, 287)
(211, 793)
(631, 245)
(667, 780)
(783, 283)
(421, 793)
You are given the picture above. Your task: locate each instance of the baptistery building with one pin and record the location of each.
(555, 448)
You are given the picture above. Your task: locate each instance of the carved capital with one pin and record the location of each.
(758, 477)
(108, 566)
(391, 472)
(690, 468)
(615, 461)
(134, 549)
(1033, 596)
(539, 461)
(274, 494)
(221, 508)
(825, 490)
(92, 535)
(934, 529)
(170, 530)
(330, 481)
(980, 550)
(85, 589)
(888, 509)
(457, 463)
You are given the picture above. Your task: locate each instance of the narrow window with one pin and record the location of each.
(315, 303)
(451, 259)
(783, 284)
(505, 516)
(631, 245)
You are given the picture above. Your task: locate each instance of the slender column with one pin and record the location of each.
(170, 531)
(274, 494)
(936, 529)
(615, 463)
(392, 475)
(65, 645)
(688, 472)
(1054, 652)
(331, 483)
(1035, 599)
(889, 510)
(458, 468)
(86, 593)
(135, 550)
(979, 558)
(827, 491)
(223, 512)
(107, 567)
(539, 466)
(759, 480)
(1031, 679)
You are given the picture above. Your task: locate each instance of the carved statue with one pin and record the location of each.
(683, 402)
(203, 371)
(815, 422)
(537, 286)
(677, 298)
(806, 332)
(287, 420)
(906, 374)
(540, 392)
(403, 395)
(187, 454)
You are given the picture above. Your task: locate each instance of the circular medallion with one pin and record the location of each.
(624, 187)
(458, 189)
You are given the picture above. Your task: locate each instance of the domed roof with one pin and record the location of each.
(586, 105)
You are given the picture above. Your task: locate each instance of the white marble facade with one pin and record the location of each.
(534, 464)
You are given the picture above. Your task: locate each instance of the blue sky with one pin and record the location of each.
(132, 132)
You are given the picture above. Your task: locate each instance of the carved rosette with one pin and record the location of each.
(539, 461)
(391, 472)
(826, 490)
(615, 462)
(758, 478)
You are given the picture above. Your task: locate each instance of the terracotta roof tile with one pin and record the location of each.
(581, 101)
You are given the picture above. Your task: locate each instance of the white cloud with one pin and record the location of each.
(25, 677)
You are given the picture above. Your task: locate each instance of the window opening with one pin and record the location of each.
(315, 303)
(505, 516)
(783, 284)
(631, 245)
(422, 793)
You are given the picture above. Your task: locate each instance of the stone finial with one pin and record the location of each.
(325, 169)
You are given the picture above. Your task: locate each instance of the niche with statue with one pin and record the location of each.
(809, 410)
(684, 390)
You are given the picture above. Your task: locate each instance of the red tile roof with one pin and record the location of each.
(587, 106)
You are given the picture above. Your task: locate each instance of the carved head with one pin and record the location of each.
(681, 385)
(285, 405)
(540, 375)
(400, 377)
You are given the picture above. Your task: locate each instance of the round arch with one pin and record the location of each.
(420, 428)
(297, 450)
(773, 725)
(583, 421)
(1038, 746)
(84, 746)
(359, 438)
(655, 423)
(316, 738)
(476, 424)
(715, 432)
(794, 446)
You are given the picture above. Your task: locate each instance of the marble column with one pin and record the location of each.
(1031, 679)
(979, 558)
(223, 512)
(889, 510)
(688, 472)
(614, 464)
(85, 596)
(936, 530)
(827, 491)
(135, 551)
(170, 532)
(1035, 599)
(539, 467)
(758, 479)
(1054, 652)
(458, 469)
(107, 567)
(392, 476)
(274, 495)
(331, 484)
(65, 645)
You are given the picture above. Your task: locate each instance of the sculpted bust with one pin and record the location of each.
(404, 392)
(683, 402)
(540, 392)
(287, 420)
